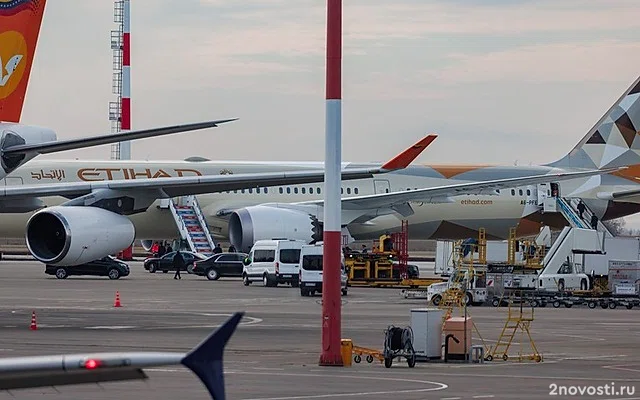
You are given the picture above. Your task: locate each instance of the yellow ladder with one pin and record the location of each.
(516, 320)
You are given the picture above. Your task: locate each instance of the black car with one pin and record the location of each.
(106, 266)
(165, 263)
(223, 264)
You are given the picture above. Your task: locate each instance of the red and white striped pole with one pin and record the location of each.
(331, 300)
(125, 103)
(125, 112)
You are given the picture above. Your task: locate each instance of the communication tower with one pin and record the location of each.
(120, 110)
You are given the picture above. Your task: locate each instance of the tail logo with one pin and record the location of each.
(12, 7)
(13, 50)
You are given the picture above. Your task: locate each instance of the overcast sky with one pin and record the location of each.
(499, 81)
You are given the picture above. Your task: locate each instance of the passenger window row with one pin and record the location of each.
(521, 192)
(294, 190)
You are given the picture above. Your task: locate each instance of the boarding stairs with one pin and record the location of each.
(569, 209)
(192, 225)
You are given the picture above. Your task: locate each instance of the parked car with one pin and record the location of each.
(165, 263)
(106, 266)
(218, 265)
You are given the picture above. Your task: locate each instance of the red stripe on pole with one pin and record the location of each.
(331, 300)
(334, 49)
(126, 48)
(125, 122)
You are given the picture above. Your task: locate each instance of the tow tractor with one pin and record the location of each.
(386, 265)
(469, 275)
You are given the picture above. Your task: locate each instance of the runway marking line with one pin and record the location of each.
(593, 357)
(625, 398)
(580, 337)
(464, 374)
(438, 385)
(484, 396)
(620, 368)
(110, 327)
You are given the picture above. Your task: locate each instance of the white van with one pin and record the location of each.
(311, 271)
(273, 262)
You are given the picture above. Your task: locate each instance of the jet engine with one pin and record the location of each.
(72, 235)
(146, 244)
(247, 225)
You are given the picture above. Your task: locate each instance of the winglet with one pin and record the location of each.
(205, 360)
(405, 158)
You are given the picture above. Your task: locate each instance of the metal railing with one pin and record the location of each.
(202, 220)
(570, 214)
(182, 227)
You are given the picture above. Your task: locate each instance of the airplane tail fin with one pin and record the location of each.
(615, 139)
(20, 22)
(205, 360)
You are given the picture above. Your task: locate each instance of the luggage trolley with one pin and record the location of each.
(398, 342)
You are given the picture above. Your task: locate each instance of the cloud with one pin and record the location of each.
(371, 20)
(604, 61)
(264, 43)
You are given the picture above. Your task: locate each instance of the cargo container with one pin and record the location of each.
(624, 277)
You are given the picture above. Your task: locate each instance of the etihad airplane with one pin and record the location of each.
(439, 201)
(19, 143)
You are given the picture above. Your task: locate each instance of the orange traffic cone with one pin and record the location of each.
(33, 326)
(117, 302)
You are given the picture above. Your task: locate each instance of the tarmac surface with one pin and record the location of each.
(274, 353)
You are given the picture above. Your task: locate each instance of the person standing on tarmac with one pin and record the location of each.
(178, 264)
(217, 249)
(161, 250)
(232, 249)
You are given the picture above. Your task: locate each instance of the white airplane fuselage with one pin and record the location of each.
(460, 218)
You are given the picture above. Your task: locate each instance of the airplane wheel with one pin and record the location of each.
(61, 273)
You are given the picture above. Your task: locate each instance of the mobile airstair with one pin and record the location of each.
(192, 225)
(569, 209)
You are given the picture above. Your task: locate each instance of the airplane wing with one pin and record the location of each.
(443, 193)
(62, 145)
(631, 196)
(174, 187)
(205, 360)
